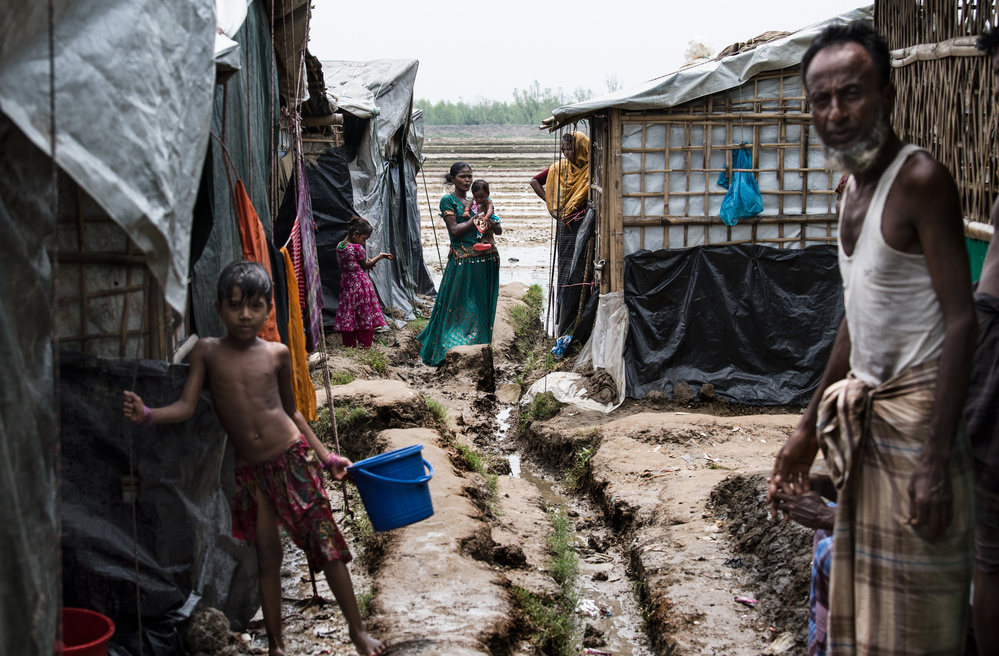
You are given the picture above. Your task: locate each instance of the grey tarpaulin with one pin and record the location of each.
(247, 157)
(707, 78)
(389, 151)
(29, 542)
(134, 82)
(185, 549)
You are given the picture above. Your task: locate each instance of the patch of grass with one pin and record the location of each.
(473, 461)
(349, 416)
(535, 298)
(575, 472)
(542, 406)
(364, 602)
(563, 564)
(418, 324)
(553, 627)
(371, 544)
(341, 377)
(530, 339)
(437, 413)
(374, 359)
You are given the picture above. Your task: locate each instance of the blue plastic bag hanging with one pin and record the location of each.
(743, 199)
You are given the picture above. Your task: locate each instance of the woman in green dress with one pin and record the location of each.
(466, 301)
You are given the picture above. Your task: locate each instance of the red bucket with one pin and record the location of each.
(85, 632)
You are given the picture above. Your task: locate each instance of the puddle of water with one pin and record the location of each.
(514, 464)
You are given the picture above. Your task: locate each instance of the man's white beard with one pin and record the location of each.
(862, 155)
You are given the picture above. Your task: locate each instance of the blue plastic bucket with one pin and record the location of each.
(393, 487)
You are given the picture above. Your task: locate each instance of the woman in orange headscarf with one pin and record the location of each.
(565, 188)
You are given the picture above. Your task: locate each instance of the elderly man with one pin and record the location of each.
(982, 414)
(887, 413)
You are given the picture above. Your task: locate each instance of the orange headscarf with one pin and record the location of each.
(568, 184)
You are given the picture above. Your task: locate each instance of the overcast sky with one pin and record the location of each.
(486, 49)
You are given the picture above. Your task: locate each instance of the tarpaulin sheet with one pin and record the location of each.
(332, 207)
(182, 526)
(29, 543)
(383, 170)
(710, 77)
(756, 322)
(569, 306)
(133, 97)
(249, 95)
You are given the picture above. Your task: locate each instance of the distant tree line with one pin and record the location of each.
(530, 106)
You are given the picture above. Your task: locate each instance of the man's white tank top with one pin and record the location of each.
(892, 311)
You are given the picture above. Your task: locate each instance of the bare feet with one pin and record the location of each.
(276, 651)
(366, 645)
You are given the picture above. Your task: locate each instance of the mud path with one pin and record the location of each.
(663, 502)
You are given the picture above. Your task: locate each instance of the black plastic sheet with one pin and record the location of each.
(332, 207)
(569, 305)
(181, 537)
(29, 440)
(756, 322)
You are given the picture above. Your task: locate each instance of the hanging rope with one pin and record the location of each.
(53, 302)
(131, 458)
(433, 224)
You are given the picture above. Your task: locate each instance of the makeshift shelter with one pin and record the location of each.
(124, 207)
(658, 152)
(947, 107)
(374, 175)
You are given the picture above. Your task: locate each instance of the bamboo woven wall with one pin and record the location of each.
(661, 186)
(944, 104)
(102, 286)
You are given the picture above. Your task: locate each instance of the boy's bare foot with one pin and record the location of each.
(366, 645)
(275, 651)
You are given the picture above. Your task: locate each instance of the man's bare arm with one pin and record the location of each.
(796, 456)
(933, 202)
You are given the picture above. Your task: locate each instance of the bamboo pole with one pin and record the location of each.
(615, 262)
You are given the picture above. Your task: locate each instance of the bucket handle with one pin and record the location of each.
(384, 479)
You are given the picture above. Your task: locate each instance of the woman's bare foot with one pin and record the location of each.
(366, 645)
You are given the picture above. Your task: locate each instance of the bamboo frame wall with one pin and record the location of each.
(944, 104)
(103, 283)
(771, 113)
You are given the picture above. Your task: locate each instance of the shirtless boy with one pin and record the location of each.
(277, 479)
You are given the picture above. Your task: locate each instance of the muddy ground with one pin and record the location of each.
(664, 499)
(670, 525)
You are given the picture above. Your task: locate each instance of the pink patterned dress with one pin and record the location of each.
(358, 307)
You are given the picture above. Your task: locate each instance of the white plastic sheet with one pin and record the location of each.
(604, 350)
(134, 82)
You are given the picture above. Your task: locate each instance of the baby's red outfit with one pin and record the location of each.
(294, 486)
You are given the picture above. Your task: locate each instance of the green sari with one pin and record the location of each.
(466, 301)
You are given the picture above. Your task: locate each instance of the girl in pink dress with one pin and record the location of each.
(358, 312)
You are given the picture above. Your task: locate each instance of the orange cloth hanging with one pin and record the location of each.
(305, 391)
(254, 242)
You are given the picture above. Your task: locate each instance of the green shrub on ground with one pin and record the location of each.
(436, 413)
(341, 377)
(543, 406)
